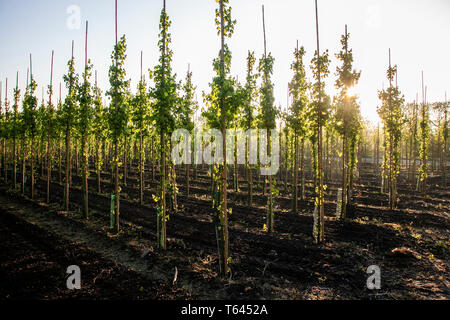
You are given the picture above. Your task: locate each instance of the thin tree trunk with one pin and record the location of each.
(327, 167)
(303, 196)
(98, 167)
(223, 254)
(77, 159)
(444, 155)
(153, 161)
(250, 173)
(84, 154)
(67, 178)
(5, 140)
(270, 218)
(14, 164)
(187, 179)
(23, 165)
(116, 149)
(32, 168)
(295, 193)
(116, 182)
(286, 159)
(60, 161)
(49, 149)
(319, 221)
(125, 161)
(377, 157)
(344, 179)
(141, 168)
(161, 223)
(235, 171)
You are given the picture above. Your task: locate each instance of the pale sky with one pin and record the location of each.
(417, 32)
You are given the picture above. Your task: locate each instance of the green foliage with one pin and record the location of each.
(424, 136)
(99, 124)
(267, 112)
(224, 92)
(29, 113)
(5, 125)
(411, 120)
(69, 107)
(318, 111)
(226, 95)
(117, 113)
(443, 108)
(275, 190)
(165, 90)
(229, 23)
(85, 99)
(41, 117)
(249, 94)
(347, 78)
(298, 88)
(187, 106)
(391, 115)
(222, 105)
(59, 123)
(51, 116)
(16, 126)
(140, 111)
(347, 116)
(318, 115)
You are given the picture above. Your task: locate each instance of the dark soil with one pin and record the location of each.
(33, 265)
(284, 265)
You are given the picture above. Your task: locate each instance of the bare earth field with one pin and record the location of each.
(410, 245)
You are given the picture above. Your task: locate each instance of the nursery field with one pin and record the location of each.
(410, 244)
(127, 185)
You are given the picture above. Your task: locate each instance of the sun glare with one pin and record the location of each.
(352, 92)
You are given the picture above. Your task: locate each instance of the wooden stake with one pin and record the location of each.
(264, 31)
(49, 132)
(86, 48)
(84, 152)
(319, 226)
(141, 65)
(51, 79)
(223, 247)
(68, 153)
(5, 156)
(14, 138)
(31, 68)
(116, 146)
(32, 138)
